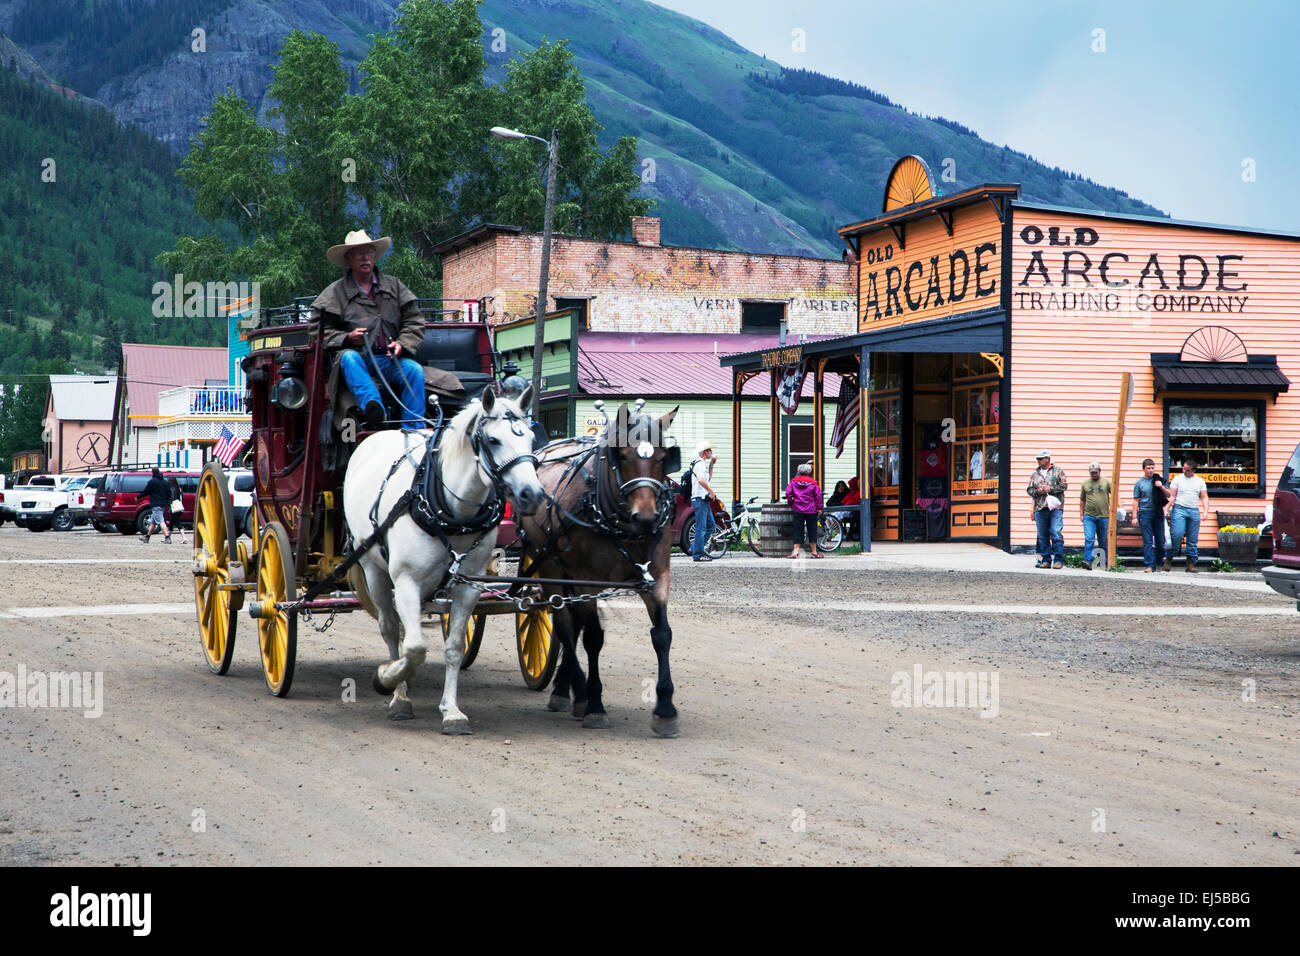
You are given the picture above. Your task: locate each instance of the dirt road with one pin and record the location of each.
(1163, 735)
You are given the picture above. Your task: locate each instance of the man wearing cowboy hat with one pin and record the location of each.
(366, 302)
(1047, 487)
(701, 497)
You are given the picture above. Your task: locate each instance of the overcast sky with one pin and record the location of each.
(1182, 95)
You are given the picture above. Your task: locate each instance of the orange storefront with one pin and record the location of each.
(990, 327)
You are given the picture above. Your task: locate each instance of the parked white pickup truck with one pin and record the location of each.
(42, 503)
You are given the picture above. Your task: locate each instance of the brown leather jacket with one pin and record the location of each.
(343, 307)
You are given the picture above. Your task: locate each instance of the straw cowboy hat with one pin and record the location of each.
(702, 447)
(338, 254)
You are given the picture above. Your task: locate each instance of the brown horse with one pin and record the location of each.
(608, 518)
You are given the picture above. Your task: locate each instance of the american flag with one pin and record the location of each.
(846, 413)
(227, 447)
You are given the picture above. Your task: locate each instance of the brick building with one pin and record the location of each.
(643, 286)
(640, 319)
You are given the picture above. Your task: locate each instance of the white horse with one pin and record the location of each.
(488, 444)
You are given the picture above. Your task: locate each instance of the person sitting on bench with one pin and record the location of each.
(366, 301)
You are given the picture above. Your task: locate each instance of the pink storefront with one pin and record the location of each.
(990, 327)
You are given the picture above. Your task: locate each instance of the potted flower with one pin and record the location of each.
(1239, 544)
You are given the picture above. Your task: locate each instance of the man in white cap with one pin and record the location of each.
(1094, 512)
(702, 497)
(366, 302)
(1047, 487)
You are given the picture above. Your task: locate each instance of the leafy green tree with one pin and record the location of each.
(110, 350)
(22, 406)
(594, 193)
(412, 148)
(418, 130)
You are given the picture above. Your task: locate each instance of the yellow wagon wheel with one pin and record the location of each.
(218, 565)
(473, 639)
(537, 646)
(277, 630)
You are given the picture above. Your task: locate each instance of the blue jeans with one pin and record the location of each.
(1051, 540)
(1152, 524)
(405, 375)
(1184, 521)
(1100, 527)
(703, 519)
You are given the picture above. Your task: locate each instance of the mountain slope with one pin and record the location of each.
(743, 154)
(88, 205)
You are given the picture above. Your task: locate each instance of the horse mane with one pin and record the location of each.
(455, 451)
(638, 423)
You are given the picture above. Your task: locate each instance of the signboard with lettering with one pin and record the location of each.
(1086, 265)
(784, 356)
(931, 274)
(914, 524)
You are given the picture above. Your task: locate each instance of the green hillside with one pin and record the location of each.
(749, 155)
(745, 155)
(84, 206)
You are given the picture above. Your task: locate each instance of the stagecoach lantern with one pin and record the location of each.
(290, 392)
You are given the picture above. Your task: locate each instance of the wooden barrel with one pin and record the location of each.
(776, 530)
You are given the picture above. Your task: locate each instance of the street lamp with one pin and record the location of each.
(500, 132)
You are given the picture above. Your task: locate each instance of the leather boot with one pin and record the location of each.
(1169, 563)
(1191, 567)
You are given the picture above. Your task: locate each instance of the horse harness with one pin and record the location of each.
(602, 506)
(426, 502)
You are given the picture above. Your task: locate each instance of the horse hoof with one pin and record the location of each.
(579, 709)
(596, 722)
(458, 725)
(401, 710)
(558, 703)
(378, 685)
(663, 726)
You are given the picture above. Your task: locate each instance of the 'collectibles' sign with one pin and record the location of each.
(932, 274)
(1086, 269)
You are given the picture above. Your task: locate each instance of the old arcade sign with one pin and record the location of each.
(932, 273)
(1067, 265)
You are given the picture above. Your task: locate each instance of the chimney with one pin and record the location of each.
(645, 230)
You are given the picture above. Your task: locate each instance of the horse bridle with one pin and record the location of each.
(496, 471)
(620, 522)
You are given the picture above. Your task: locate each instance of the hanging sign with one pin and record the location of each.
(790, 387)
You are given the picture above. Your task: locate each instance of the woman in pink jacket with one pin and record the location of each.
(805, 497)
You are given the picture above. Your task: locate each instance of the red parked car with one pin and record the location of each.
(121, 504)
(1283, 575)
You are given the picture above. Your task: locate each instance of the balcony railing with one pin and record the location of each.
(190, 401)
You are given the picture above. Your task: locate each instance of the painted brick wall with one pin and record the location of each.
(653, 288)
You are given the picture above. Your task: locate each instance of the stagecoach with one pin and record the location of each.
(291, 565)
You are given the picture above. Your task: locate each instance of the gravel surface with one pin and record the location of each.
(1175, 732)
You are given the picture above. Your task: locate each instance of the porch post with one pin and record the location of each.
(735, 439)
(819, 432)
(864, 463)
(775, 416)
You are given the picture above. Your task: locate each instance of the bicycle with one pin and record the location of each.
(730, 527)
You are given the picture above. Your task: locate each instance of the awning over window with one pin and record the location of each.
(1259, 373)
